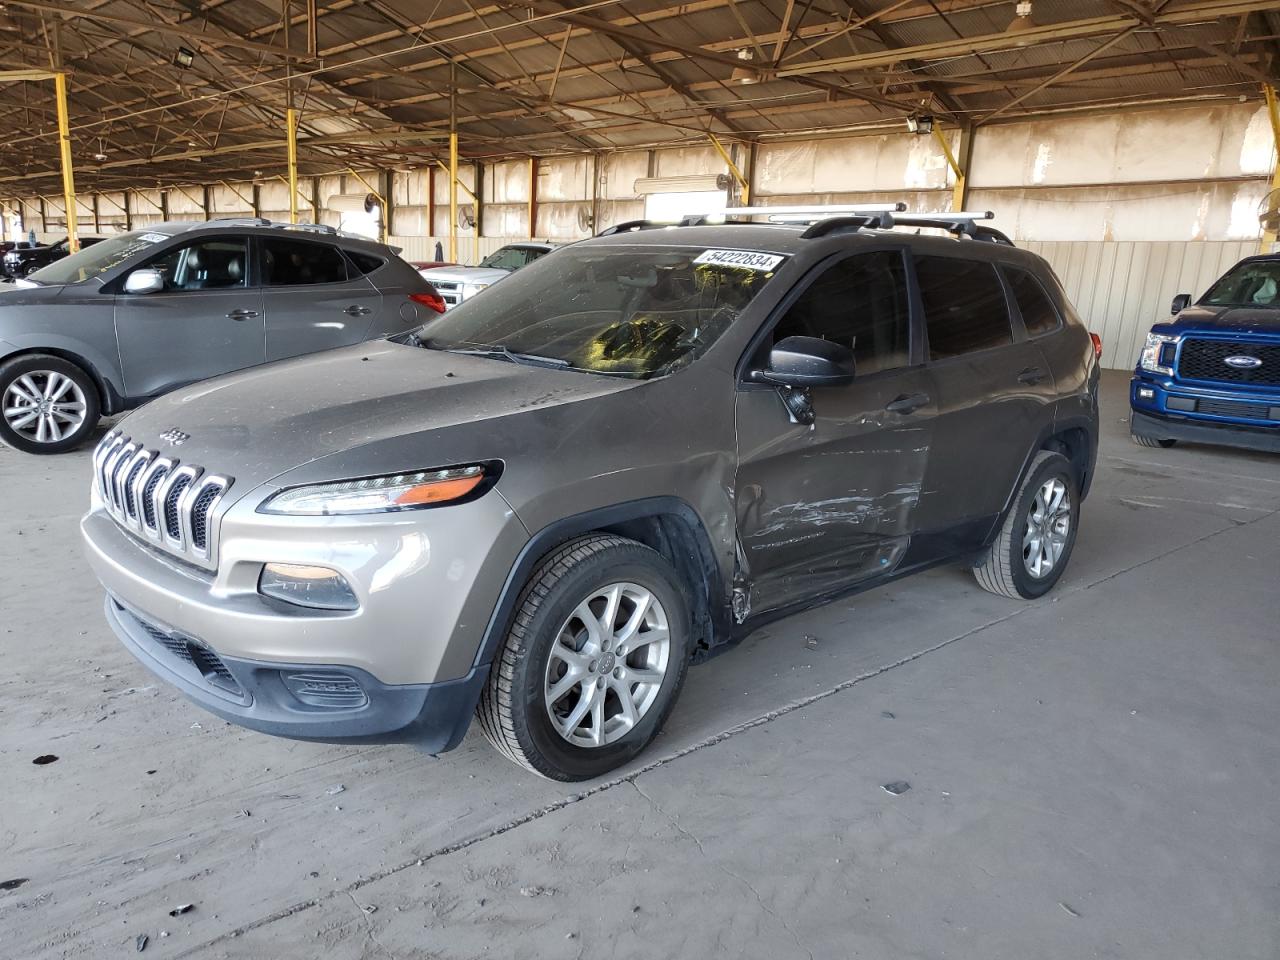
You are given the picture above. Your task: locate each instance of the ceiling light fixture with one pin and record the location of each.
(920, 124)
(184, 58)
(1021, 21)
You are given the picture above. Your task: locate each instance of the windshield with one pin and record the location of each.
(628, 311)
(97, 258)
(508, 258)
(1253, 284)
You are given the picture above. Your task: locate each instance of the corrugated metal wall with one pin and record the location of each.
(1121, 288)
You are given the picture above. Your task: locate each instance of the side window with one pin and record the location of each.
(366, 263)
(1034, 304)
(211, 264)
(289, 263)
(860, 302)
(964, 306)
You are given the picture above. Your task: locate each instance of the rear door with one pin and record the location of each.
(825, 506)
(314, 298)
(993, 387)
(206, 321)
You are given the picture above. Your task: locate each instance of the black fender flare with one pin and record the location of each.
(565, 529)
(1058, 425)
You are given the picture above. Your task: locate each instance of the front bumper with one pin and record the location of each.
(426, 581)
(256, 694)
(1164, 409)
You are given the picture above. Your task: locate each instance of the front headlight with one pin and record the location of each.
(1158, 353)
(401, 491)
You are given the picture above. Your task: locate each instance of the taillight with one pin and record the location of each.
(432, 300)
(1097, 345)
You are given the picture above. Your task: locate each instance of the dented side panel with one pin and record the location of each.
(821, 508)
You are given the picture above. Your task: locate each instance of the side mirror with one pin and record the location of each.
(802, 362)
(144, 281)
(1180, 303)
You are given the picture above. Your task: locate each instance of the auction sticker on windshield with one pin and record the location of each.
(746, 259)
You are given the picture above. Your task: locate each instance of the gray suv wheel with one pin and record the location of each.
(47, 404)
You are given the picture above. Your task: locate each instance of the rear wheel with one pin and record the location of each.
(47, 404)
(593, 663)
(1151, 441)
(1038, 534)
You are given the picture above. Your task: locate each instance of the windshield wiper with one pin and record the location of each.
(505, 353)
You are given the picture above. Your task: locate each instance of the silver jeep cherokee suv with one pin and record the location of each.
(543, 505)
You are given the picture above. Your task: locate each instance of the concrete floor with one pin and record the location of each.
(1094, 774)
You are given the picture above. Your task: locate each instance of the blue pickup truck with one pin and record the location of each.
(1212, 373)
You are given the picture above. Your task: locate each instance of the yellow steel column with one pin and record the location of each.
(743, 185)
(453, 161)
(68, 176)
(959, 191)
(291, 124)
(453, 196)
(533, 195)
(1273, 111)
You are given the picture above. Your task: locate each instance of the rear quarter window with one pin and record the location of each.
(964, 306)
(1038, 313)
(365, 263)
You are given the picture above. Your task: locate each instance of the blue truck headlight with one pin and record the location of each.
(1155, 358)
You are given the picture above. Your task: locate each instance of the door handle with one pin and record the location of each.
(1032, 375)
(242, 314)
(355, 310)
(907, 403)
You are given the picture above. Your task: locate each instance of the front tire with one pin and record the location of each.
(1151, 441)
(1038, 534)
(593, 663)
(47, 404)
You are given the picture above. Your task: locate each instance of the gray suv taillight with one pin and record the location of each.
(161, 499)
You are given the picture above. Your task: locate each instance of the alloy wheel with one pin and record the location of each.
(607, 664)
(1048, 528)
(44, 406)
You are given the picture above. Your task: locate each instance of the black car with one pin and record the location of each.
(21, 261)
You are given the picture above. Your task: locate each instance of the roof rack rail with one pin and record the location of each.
(264, 222)
(960, 224)
(881, 221)
(627, 226)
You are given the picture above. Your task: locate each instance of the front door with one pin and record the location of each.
(315, 300)
(822, 507)
(206, 321)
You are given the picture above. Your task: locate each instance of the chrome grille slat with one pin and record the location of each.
(169, 503)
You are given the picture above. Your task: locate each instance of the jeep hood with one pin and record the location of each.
(1224, 319)
(375, 404)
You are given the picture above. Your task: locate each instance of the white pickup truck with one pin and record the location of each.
(458, 283)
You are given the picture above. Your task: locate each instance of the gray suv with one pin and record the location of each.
(142, 313)
(542, 506)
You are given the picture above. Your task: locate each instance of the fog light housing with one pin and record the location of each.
(324, 688)
(304, 585)
(1146, 393)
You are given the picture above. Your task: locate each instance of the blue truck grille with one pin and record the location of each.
(1202, 359)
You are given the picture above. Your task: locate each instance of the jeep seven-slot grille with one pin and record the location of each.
(1207, 360)
(163, 500)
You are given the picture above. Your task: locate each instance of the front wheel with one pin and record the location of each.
(1037, 535)
(1151, 441)
(47, 404)
(593, 663)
